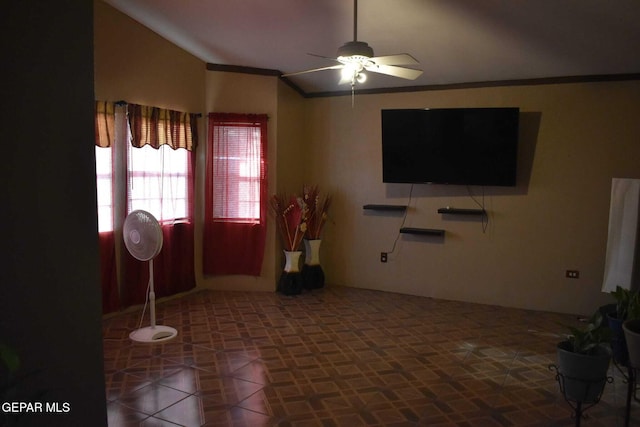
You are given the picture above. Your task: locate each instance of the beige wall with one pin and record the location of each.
(574, 138)
(291, 160)
(136, 65)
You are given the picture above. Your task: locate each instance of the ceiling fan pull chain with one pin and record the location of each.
(353, 91)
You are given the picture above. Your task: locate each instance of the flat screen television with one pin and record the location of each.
(467, 146)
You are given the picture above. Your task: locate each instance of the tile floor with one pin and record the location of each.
(343, 357)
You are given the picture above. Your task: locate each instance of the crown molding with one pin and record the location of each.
(452, 86)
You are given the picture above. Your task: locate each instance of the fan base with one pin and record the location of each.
(156, 333)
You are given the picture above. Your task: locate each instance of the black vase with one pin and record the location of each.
(312, 276)
(312, 273)
(290, 282)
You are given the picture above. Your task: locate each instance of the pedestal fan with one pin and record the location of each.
(143, 239)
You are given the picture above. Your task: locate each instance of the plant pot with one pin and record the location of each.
(618, 340)
(582, 377)
(290, 282)
(632, 335)
(312, 273)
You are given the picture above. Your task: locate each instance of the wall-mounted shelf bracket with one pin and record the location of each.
(457, 211)
(422, 231)
(398, 208)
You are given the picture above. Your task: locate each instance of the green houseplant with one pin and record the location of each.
(583, 361)
(627, 303)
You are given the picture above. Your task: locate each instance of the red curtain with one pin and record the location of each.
(110, 296)
(174, 265)
(234, 245)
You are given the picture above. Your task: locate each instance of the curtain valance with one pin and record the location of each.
(105, 123)
(158, 126)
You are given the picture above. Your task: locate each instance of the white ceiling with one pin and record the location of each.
(455, 41)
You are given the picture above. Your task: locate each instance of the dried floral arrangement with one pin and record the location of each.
(289, 212)
(316, 210)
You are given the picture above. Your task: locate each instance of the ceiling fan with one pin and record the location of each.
(355, 57)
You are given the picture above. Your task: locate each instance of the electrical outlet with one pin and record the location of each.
(383, 257)
(572, 274)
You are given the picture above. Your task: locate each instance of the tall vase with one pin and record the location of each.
(290, 282)
(312, 274)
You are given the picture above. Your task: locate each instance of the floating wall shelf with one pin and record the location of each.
(422, 231)
(456, 211)
(397, 208)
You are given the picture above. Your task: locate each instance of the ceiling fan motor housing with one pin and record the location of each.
(355, 48)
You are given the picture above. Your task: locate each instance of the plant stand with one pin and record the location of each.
(577, 405)
(631, 377)
(631, 388)
(632, 336)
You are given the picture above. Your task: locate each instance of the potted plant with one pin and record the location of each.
(627, 307)
(316, 208)
(290, 221)
(583, 361)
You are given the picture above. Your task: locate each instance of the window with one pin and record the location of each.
(235, 194)
(144, 161)
(104, 174)
(104, 142)
(236, 172)
(159, 162)
(158, 181)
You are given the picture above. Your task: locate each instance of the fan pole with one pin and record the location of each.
(152, 296)
(355, 20)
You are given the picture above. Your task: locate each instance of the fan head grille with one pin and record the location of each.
(142, 235)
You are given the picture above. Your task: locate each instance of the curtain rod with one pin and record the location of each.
(122, 103)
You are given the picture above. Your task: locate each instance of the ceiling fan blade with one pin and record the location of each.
(399, 59)
(333, 67)
(405, 73)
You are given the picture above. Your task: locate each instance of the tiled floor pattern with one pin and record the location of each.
(343, 357)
